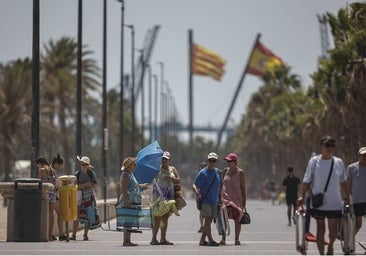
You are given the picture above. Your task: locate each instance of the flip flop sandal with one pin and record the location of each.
(213, 243)
(129, 244)
(154, 243)
(205, 243)
(166, 243)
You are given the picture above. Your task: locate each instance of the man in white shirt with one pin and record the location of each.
(356, 182)
(317, 172)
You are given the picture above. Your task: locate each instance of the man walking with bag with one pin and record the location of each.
(327, 176)
(207, 188)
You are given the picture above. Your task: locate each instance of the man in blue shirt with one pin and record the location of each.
(207, 187)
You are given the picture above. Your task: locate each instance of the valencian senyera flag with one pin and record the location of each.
(207, 63)
(262, 60)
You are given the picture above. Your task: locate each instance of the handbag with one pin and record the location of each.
(180, 202)
(246, 217)
(198, 203)
(178, 197)
(317, 199)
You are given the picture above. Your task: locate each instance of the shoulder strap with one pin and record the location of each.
(77, 174)
(330, 173)
(224, 172)
(91, 176)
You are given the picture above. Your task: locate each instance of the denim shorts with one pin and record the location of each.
(321, 214)
(52, 197)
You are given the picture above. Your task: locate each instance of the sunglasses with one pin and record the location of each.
(329, 145)
(212, 160)
(230, 161)
(84, 164)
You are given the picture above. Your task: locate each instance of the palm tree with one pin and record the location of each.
(58, 88)
(15, 117)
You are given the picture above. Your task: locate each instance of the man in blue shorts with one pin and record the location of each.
(317, 172)
(356, 181)
(207, 187)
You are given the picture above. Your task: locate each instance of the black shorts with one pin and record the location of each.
(359, 209)
(321, 215)
(291, 200)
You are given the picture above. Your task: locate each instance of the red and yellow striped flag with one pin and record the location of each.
(262, 60)
(207, 63)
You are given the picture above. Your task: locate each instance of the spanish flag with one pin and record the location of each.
(262, 60)
(207, 63)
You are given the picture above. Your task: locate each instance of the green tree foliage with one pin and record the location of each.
(284, 122)
(15, 105)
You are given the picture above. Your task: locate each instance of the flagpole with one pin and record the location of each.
(190, 91)
(236, 95)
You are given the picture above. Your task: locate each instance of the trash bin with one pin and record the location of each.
(27, 210)
(68, 197)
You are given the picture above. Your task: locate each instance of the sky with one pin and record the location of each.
(290, 28)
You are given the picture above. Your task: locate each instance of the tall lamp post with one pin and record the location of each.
(142, 94)
(35, 88)
(150, 102)
(105, 129)
(156, 107)
(121, 96)
(79, 78)
(133, 87)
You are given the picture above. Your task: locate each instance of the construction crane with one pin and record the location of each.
(145, 58)
(324, 38)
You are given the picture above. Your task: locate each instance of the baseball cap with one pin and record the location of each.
(327, 139)
(231, 157)
(166, 155)
(212, 155)
(362, 151)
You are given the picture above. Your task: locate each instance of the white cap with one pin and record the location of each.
(85, 159)
(166, 155)
(362, 151)
(212, 155)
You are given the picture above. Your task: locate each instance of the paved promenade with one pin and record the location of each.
(267, 235)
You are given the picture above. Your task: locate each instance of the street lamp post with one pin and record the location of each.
(35, 89)
(121, 96)
(141, 51)
(133, 87)
(105, 129)
(156, 107)
(150, 102)
(79, 78)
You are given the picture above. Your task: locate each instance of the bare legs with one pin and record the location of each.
(51, 209)
(206, 230)
(162, 223)
(320, 231)
(59, 221)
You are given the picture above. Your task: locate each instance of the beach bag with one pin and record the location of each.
(133, 217)
(90, 216)
(178, 196)
(180, 203)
